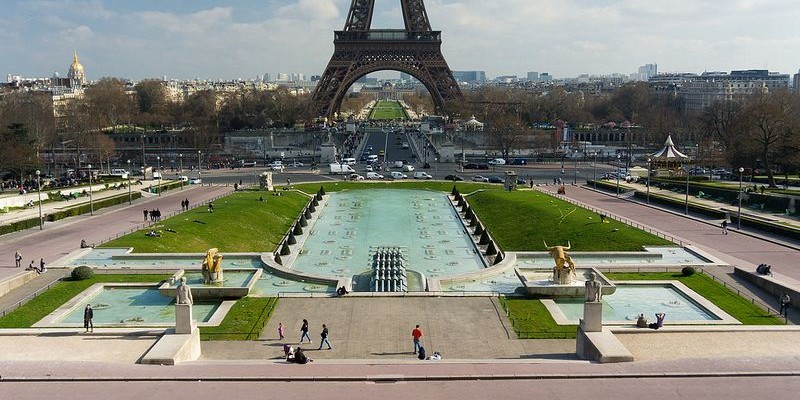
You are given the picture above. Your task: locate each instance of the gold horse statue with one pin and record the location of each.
(212, 266)
(562, 275)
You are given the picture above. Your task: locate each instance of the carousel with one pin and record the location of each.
(668, 162)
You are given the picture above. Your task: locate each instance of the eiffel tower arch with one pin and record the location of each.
(360, 50)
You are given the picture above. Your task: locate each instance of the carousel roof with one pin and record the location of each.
(669, 152)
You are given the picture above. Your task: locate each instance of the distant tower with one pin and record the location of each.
(76, 75)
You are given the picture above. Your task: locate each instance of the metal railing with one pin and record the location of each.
(28, 298)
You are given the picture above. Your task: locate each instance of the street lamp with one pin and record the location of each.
(739, 218)
(618, 172)
(91, 197)
(575, 179)
(129, 183)
(39, 190)
(180, 156)
(594, 171)
(158, 159)
(649, 161)
(686, 211)
(199, 165)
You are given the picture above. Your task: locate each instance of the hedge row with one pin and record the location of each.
(771, 202)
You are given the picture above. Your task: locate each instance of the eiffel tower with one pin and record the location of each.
(360, 50)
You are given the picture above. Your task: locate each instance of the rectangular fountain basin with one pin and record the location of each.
(237, 284)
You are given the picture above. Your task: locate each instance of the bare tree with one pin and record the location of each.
(769, 122)
(109, 103)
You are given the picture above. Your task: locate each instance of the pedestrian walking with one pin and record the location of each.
(304, 332)
(602, 218)
(18, 258)
(724, 226)
(785, 304)
(145, 214)
(88, 314)
(42, 268)
(210, 207)
(281, 330)
(187, 204)
(324, 336)
(416, 336)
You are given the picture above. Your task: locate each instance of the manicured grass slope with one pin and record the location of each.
(239, 223)
(244, 321)
(60, 293)
(733, 304)
(387, 110)
(531, 320)
(522, 220)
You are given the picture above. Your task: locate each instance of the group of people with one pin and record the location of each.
(296, 355)
(641, 322)
(764, 269)
(154, 214)
(32, 266)
(185, 205)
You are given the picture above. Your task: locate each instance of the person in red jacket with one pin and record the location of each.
(416, 335)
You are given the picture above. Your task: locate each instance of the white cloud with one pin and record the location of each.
(92, 9)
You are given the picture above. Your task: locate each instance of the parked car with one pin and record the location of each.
(368, 168)
(479, 178)
(496, 179)
(483, 166)
(422, 175)
(408, 168)
(470, 166)
(297, 164)
(356, 177)
(519, 161)
(374, 175)
(497, 161)
(398, 175)
(453, 178)
(195, 181)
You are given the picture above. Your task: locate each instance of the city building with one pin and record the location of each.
(711, 87)
(473, 77)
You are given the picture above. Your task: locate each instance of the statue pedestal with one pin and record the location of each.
(563, 276)
(265, 181)
(592, 320)
(184, 323)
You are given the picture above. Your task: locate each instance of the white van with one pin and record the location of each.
(372, 158)
(398, 175)
(349, 161)
(422, 175)
(374, 175)
(408, 168)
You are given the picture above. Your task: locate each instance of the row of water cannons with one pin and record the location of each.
(389, 273)
(476, 227)
(301, 223)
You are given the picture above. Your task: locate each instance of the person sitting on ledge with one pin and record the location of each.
(660, 319)
(341, 291)
(641, 322)
(764, 269)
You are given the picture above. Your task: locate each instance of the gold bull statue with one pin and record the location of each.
(562, 275)
(212, 267)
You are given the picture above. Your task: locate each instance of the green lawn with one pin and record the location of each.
(531, 320)
(522, 220)
(245, 321)
(47, 302)
(738, 307)
(239, 223)
(385, 109)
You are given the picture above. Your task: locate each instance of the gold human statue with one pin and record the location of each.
(212, 266)
(562, 274)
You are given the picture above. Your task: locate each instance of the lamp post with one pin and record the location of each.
(739, 217)
(129, 183)
(618, 171)
(180, 157)
(686, 211)
(199, 165)
(594, 171)
(144, 163)
(649, 161)
(39, 190)
(158, 159)
(575, 179)
(91, 197)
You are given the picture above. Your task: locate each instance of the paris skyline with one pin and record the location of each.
(246, 38)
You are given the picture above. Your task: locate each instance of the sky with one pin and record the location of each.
(186, 39)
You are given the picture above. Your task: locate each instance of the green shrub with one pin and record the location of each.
(82, 273)
(688, 271)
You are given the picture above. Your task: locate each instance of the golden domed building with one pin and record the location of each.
(76, 75)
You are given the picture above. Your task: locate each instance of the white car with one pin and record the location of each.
(368, 168)
(479, 178)
(398, 175)
(497, 161)
(195, 181)
(374, 175)
(297, 164)
(276, 167)
(356, 177)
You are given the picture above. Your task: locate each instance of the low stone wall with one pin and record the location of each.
(16, 281)
(775, 286)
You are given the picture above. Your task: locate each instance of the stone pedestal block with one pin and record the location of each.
(184, 322)
(592, 316)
